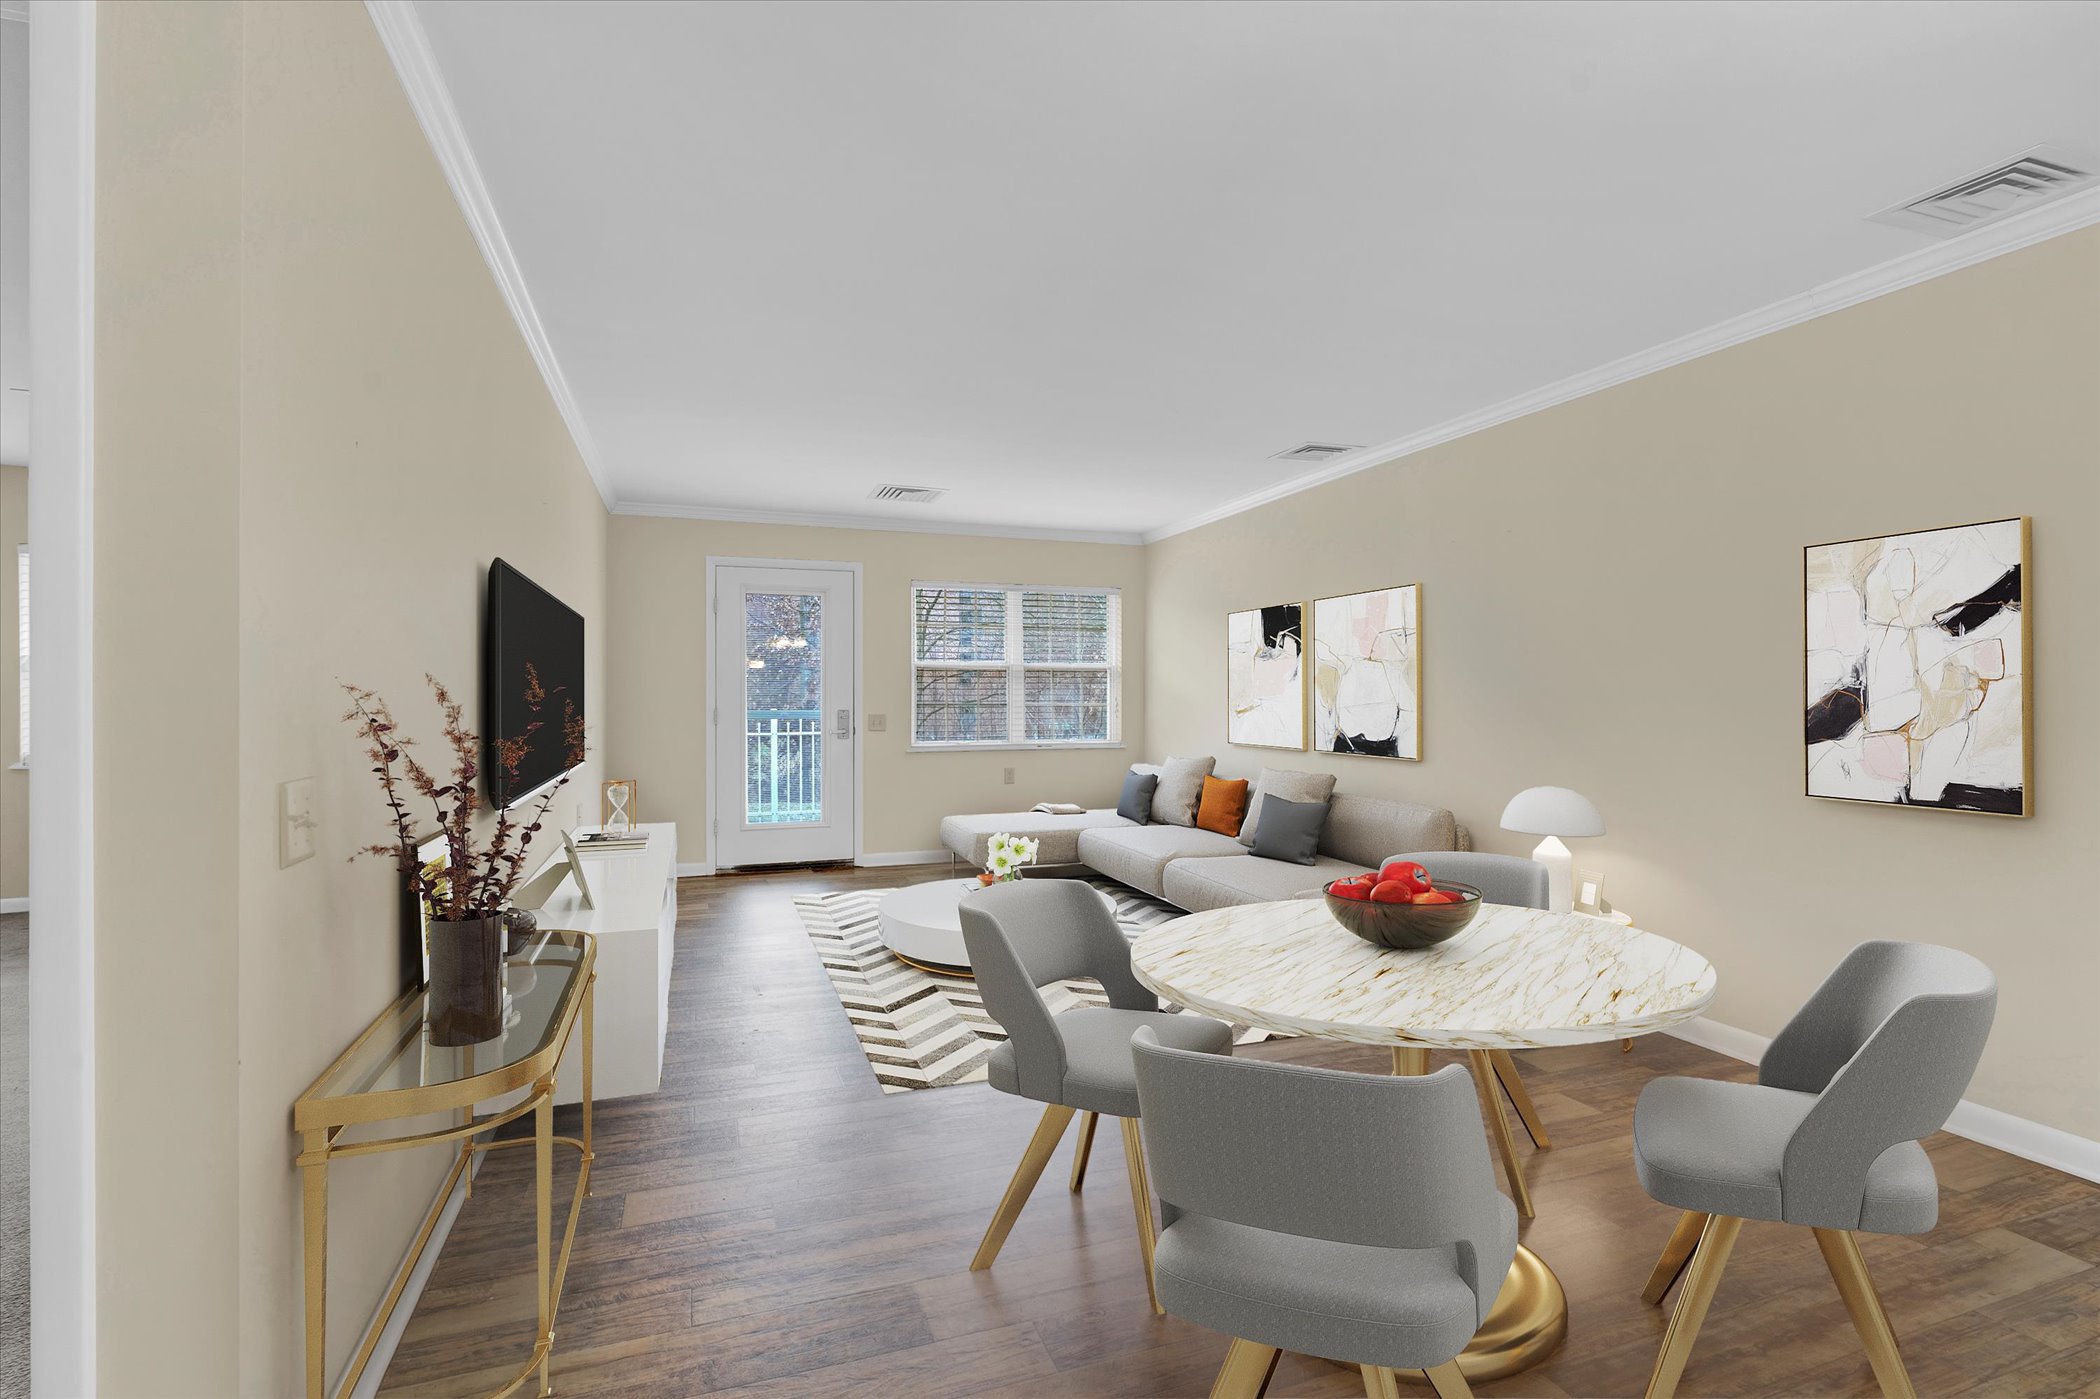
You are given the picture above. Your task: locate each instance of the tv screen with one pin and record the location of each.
(531, 634)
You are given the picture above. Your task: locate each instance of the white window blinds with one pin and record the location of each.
(995, 665)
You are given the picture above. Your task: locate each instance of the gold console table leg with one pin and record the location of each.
(543, 1151)
(590, 1038)
(313, 1188)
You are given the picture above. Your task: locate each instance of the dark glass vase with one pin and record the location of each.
(466, 980)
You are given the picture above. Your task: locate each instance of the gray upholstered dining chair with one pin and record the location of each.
(1345, 1215)
(1521, 883)
(1028, 934)
(1828, 1136)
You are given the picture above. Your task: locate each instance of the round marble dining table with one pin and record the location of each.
(1515, 978)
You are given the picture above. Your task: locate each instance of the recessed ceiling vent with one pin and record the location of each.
(907, 495)
(1317, 451)
(2042, 174)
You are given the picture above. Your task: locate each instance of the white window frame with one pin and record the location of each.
(1017, 669)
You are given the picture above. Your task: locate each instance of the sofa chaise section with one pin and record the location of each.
(970, 837)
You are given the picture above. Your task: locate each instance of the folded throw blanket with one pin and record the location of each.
(1059, 808)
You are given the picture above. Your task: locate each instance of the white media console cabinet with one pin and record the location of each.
(635, 908)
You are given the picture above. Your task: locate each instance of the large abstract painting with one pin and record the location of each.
(1367, 673)
(1265, 677)
(1917, 669)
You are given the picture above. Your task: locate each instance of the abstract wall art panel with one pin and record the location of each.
(1367, 673)
(1265, 677)
(1916, 668)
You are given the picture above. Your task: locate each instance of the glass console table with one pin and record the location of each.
(392, 1075)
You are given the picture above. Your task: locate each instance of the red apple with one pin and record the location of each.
(1391, 891)
(1349, 889)
(1407, 870)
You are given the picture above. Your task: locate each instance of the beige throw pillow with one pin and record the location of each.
(1291, 785)
(1180, 789)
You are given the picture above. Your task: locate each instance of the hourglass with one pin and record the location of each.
(619, 807)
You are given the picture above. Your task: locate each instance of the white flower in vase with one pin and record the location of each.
(1001, 865)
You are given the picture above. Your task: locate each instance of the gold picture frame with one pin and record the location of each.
(1408, 750)
(1828, 573)
(1247, 720)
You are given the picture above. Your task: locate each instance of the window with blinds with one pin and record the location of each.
(999, 665)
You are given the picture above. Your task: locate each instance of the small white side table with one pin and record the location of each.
(922, 924)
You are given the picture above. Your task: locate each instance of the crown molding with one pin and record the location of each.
(814, 520)
(401, 32)
(2051, 220)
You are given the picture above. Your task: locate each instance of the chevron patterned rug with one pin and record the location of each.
(922, 1029)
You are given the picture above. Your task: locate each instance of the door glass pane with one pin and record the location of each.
(783, 707)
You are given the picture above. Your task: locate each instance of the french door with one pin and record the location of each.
(784, 723)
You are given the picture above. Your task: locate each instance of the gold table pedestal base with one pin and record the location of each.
(1527, 1323)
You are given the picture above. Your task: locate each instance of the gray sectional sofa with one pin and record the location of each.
(1197, 869)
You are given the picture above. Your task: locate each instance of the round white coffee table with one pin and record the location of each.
(922, 924)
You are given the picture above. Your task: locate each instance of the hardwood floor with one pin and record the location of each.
(770, 1223)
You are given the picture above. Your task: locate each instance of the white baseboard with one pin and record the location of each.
(874, 859)
(405, 1306)
(2031, 1141)
(698, 869)
(20, 905)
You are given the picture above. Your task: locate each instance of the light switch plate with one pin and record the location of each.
(1009, 777)
(878, 723)
(295, 822)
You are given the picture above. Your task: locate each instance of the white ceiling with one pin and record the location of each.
(1088, 266)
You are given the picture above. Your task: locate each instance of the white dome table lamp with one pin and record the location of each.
(1554, 812)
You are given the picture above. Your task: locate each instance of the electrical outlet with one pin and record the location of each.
(878, 723)
(1009, 777)
(295, 822)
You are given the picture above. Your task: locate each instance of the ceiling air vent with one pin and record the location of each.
(2042, 174)
(1317, 451)
(907, 495)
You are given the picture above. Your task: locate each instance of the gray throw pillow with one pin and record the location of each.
(1136, 804)
(1290, 830)
(1180, 789)
(1290, 784)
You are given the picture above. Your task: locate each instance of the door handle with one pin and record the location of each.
(845, 723)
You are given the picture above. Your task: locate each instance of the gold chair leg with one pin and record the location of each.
(1498, 1128)
(1446, 1380)
(1026, 1174)
(1087, 1122)
(1141, 1202)
(1513, 1085)
(1380, 1383)
(1246, 1371)
(1625, 1046)
(1715, 1242)
(1676, 1253)
(1849, 1271)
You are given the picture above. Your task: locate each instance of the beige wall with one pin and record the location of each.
(1611, 602)
(316, 423)
(14, 780)
(657, 598)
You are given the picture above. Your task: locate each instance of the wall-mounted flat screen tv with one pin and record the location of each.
(530, 633)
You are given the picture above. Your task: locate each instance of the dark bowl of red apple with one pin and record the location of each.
(1407, 912)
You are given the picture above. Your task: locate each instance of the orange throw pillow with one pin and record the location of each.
(1224, 806)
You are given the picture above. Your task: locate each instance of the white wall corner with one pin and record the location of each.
(401, 31)
(695, 869)
(2031, 1141)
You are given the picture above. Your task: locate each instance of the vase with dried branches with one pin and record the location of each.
(464, 891)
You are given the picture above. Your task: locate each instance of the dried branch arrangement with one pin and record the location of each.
(479, 873)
